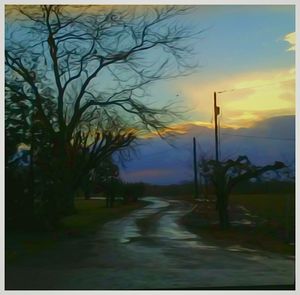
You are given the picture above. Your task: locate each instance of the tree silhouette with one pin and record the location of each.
(81, 74)
(226, 175)
(97, 179)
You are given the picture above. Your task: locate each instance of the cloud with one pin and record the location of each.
(250, 97)
(291, 39)
(265, 142)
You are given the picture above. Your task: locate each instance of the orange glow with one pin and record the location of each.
(256, 96)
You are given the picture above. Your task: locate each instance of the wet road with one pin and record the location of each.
(148, 249)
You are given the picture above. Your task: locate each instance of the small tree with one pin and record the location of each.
(227, 174)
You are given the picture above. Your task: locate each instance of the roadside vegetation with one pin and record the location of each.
(269, 205)
(89, 217)
(265, 222)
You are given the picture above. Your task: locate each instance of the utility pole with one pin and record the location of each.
(195, 169)
(216, 113)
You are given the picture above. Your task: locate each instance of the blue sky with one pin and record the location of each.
(245, 37)
(248, 38)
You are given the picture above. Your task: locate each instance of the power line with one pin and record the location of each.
(260, 137)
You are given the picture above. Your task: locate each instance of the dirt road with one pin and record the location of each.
(148, 249)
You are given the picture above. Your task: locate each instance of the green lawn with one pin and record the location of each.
(91, 215)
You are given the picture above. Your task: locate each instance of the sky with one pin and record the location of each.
(249, 53)
(244, 46)
(241, 47)
(246, 53)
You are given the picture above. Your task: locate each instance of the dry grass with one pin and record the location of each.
(273, 229)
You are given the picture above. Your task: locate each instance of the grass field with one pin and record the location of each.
(91, 214)
(274, 233)
(278, 208)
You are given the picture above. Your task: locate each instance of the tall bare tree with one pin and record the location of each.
(82, 72)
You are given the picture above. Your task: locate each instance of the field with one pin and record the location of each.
(274, 228)
(91, 214)
(276, 208)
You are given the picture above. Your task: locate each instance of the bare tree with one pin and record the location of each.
(226, 175)
(82, 72)
(69, 58)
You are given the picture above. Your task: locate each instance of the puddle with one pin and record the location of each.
(243, 222)
(198, 245)
(126, 229)
(156, 203)
(238, 248)
(124, 241)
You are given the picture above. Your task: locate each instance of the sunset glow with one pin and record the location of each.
(246, 98)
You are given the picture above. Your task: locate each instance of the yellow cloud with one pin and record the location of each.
(178, 128)
(291, 39)
(250, 97)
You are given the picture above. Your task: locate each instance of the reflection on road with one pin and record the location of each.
(163, 225)
(149, 249)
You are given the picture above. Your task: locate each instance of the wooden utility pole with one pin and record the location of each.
(195, 169)
(216, 113)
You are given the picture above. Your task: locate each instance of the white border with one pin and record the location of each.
(156, 2)
(142, 2)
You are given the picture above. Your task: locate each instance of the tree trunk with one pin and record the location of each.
(223, 211)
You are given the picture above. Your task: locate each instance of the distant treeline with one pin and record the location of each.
(242, 188)
(172, 190)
